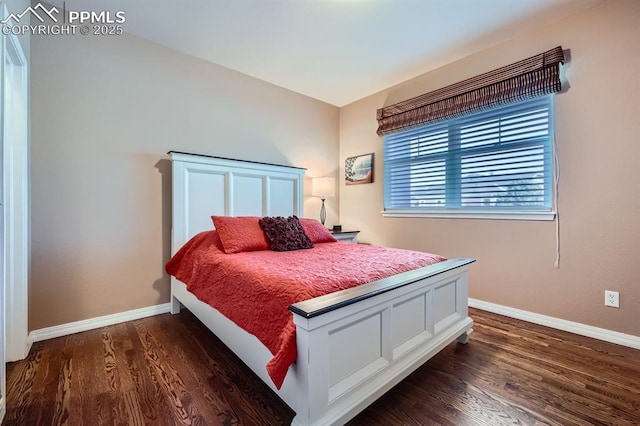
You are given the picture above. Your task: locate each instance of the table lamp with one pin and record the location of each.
(323, 188)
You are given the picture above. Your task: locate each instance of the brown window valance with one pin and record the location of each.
(535, 76)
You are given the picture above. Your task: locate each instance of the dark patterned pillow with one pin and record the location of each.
(285, 234)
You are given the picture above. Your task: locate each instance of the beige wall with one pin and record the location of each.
(598, 140)
(105, 111)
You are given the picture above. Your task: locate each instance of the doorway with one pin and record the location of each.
(14, 205)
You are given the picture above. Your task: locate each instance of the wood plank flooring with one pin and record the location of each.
(170, 370)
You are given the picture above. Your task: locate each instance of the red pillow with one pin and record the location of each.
(316, 231)
(238, 234)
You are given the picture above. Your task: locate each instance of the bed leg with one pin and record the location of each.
(175, 305)
(464, 337)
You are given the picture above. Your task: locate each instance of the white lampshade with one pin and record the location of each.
(323, 187)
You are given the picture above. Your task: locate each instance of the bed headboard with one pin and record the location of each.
(204, 186)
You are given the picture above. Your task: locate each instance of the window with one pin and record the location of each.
(497, 163)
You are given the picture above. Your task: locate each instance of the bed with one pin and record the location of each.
(352, 345)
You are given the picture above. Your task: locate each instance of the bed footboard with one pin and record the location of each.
(356, 344)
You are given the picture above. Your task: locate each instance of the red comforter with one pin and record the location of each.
(255, 289)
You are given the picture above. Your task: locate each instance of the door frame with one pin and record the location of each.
(15, 136)
(3, 316)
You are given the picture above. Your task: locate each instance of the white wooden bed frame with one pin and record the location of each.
(353, 345)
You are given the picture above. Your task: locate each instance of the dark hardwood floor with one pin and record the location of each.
(170, 370)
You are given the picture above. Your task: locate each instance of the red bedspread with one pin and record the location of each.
(255, 289)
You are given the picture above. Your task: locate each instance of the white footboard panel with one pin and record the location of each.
(349, 356)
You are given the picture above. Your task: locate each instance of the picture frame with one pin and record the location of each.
(359, 169)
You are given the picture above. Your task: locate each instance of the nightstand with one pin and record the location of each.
(347, 236)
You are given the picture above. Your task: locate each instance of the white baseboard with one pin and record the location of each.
(93, 323)
(3, 408)
(559, 324)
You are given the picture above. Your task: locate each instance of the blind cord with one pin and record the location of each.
(556, 178)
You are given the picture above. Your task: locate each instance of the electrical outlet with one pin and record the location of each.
(612, 299)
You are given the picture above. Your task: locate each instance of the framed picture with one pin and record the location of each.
(358, 169)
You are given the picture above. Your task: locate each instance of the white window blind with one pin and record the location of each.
(497, 160)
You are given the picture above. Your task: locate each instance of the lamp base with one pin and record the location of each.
(323, 213)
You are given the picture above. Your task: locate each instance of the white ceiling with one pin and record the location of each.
(337, 51)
